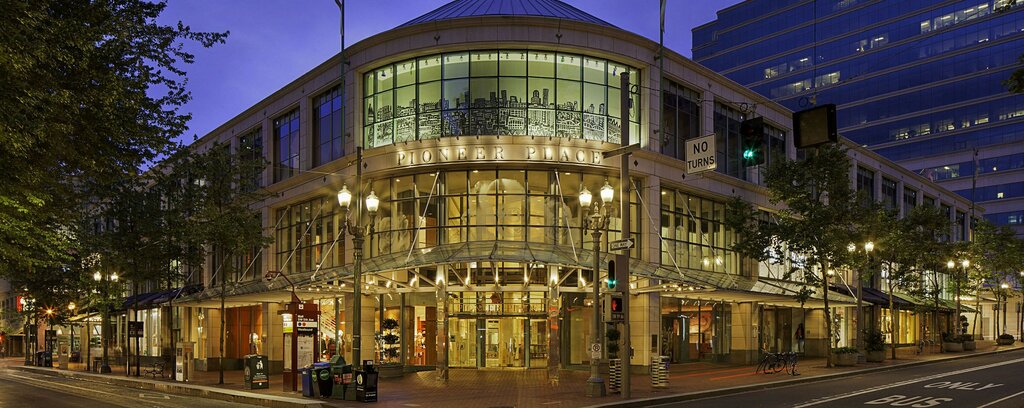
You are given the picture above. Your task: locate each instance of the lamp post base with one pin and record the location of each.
(595, 387)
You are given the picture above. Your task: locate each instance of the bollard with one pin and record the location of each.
(659, 372)
(614, 375)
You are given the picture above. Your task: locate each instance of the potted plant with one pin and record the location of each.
(389, 349)
(1004, 339)
(968, 341)
(874, 344)
(845, 356)
(952, 343)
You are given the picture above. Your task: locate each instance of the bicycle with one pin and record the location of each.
(772, 363)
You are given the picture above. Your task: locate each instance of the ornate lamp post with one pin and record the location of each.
(358, 233)
(868, 247)
(964, 264)
(598, 223)
(104, 280)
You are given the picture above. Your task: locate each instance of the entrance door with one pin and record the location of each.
(464, 337)
(675, 338)
(504, 343)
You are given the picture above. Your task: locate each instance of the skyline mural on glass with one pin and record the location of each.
(496, 92)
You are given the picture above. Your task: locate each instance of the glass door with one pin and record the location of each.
(463, 335)
(504, 343)
(538, 343)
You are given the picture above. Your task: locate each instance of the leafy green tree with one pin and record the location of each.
(906, 249)
(91, 91)
(226, 213)
(995, 258)
(818, 217)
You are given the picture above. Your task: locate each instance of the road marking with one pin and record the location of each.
(907, 382)
(158, 396)
(1001, 400)
(54, 386)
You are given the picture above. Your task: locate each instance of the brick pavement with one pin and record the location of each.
(530, 388)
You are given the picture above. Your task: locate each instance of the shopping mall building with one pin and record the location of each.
(477, 128)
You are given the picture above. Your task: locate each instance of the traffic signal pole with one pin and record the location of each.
(624, 197)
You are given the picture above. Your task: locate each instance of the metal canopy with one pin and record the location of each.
(479, 8)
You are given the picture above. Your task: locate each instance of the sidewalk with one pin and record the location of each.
(522, 388)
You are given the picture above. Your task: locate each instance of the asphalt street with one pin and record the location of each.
(992, 381)
(25, 389)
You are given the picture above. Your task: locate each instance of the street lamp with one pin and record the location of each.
(71, 310)
(99, 277)
(358, 233)
(951, 265)
(598, 222)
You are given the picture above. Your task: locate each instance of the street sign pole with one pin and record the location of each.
(624, 197)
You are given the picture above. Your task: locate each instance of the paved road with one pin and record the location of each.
(993, 381)
(26, 389)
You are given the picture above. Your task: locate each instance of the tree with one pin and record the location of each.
(226, 213)
(995, 257)
(906, 251)
(818, 218)
(91, 92)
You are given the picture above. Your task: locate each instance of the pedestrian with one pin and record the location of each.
(799, 338)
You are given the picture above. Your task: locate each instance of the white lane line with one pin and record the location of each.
(907, 382)
(1001, 400)
(54, 386)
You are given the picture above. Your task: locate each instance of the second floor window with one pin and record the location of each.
(286, 138)
(327, 127)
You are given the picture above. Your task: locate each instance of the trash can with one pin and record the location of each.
(44, 359)
(256, 376)
(306, 375)
(342, 375)
(323, 379)
(366, 383)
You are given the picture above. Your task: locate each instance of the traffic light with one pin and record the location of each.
(612, 281)
(613, 310)
(752, 141)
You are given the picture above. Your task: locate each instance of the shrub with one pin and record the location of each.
(873, 340)
(844, 350)
(950, 338)
(1006, 336)
(967, 337)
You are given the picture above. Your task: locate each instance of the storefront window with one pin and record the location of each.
(496, 92)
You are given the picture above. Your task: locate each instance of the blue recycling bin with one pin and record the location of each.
(306, 373)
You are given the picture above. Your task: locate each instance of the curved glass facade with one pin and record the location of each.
(429, 209)
(496, 92)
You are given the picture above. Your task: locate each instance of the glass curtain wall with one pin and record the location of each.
(429, 209)
(694, 234)
(496, 92)
(305, 232)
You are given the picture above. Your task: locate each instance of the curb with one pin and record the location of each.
(202, 391)
(644, 402)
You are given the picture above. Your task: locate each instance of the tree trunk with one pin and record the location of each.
(223, 279)
(828, 316)
(894, 319)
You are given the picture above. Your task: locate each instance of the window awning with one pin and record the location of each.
(873, 296)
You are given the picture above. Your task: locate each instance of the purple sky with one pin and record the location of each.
(272, 42)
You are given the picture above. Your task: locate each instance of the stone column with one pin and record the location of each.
(554, 306)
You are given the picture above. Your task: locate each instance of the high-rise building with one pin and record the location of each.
(918, 81)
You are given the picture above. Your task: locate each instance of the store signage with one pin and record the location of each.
(454, 154)
(135, 330)
(700, 154)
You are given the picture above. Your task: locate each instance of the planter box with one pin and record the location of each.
(952, 347)
(1004, 342)
(390, 370)
(846, 359)
(876, 356)
(970, 345)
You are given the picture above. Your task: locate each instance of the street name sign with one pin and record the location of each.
(620, 244)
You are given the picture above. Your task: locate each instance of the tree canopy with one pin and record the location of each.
(91, 92)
